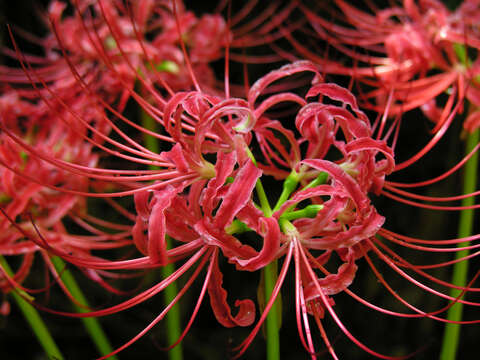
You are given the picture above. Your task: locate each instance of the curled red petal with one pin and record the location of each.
(333, 283)
(335, 92)
(223, 168)
(370, 171)
(317, 126)
(220, 307)
(270, 232)
(238, 194)
(180, 227)
(367, 143)
(284, 71)
(141, 204)
(363, 229)
(157, 249)
(139, 236)
(175, 156)
(339, 175)
(230, 245)
(250, 215)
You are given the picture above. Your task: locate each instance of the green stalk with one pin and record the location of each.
(272, 324)
(34, 320)
(309, 211)
(270, 275)
(270, 272)
(460, 270)
(173, 317)
(91, 324)
(289, 186)
(265, 206)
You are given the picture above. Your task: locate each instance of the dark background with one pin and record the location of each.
(208, 340)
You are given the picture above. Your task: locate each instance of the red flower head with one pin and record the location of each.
(199, 199)
(414, 54)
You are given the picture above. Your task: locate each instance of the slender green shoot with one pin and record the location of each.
(289, 186)
(272, 324)
(173, 316)
(91, 324)
(270, 275)
(460, 271)
(34, 320)
(309, 211)
(321, 179)
(264, 204)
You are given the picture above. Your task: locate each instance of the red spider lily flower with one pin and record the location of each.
(413, 55)
(343, 220)
(320, 125)
(201, 232)
(353, 223)
(192, 150)
(212, 206)
(202, 228)
(109, 44)
(201, 194)
(50, 207)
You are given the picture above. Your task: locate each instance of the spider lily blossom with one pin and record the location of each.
(406, 56)
(204, 189)
(340, 217)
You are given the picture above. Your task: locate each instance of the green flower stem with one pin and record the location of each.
(289, 186)
(291, 183)
(272, 324)
(173, 317)
(34, 320)
(460, 270)
(319, 180)
(270, 272)
(262, 196)
(270, 275)
(461, 52)
(151, 143)
(237, 227)
(91, 324)
(309, 211)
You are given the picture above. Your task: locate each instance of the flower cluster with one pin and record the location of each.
(408, 56)
(185, 180)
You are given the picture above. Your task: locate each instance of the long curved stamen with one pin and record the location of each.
(179, 295)
(337, 319)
